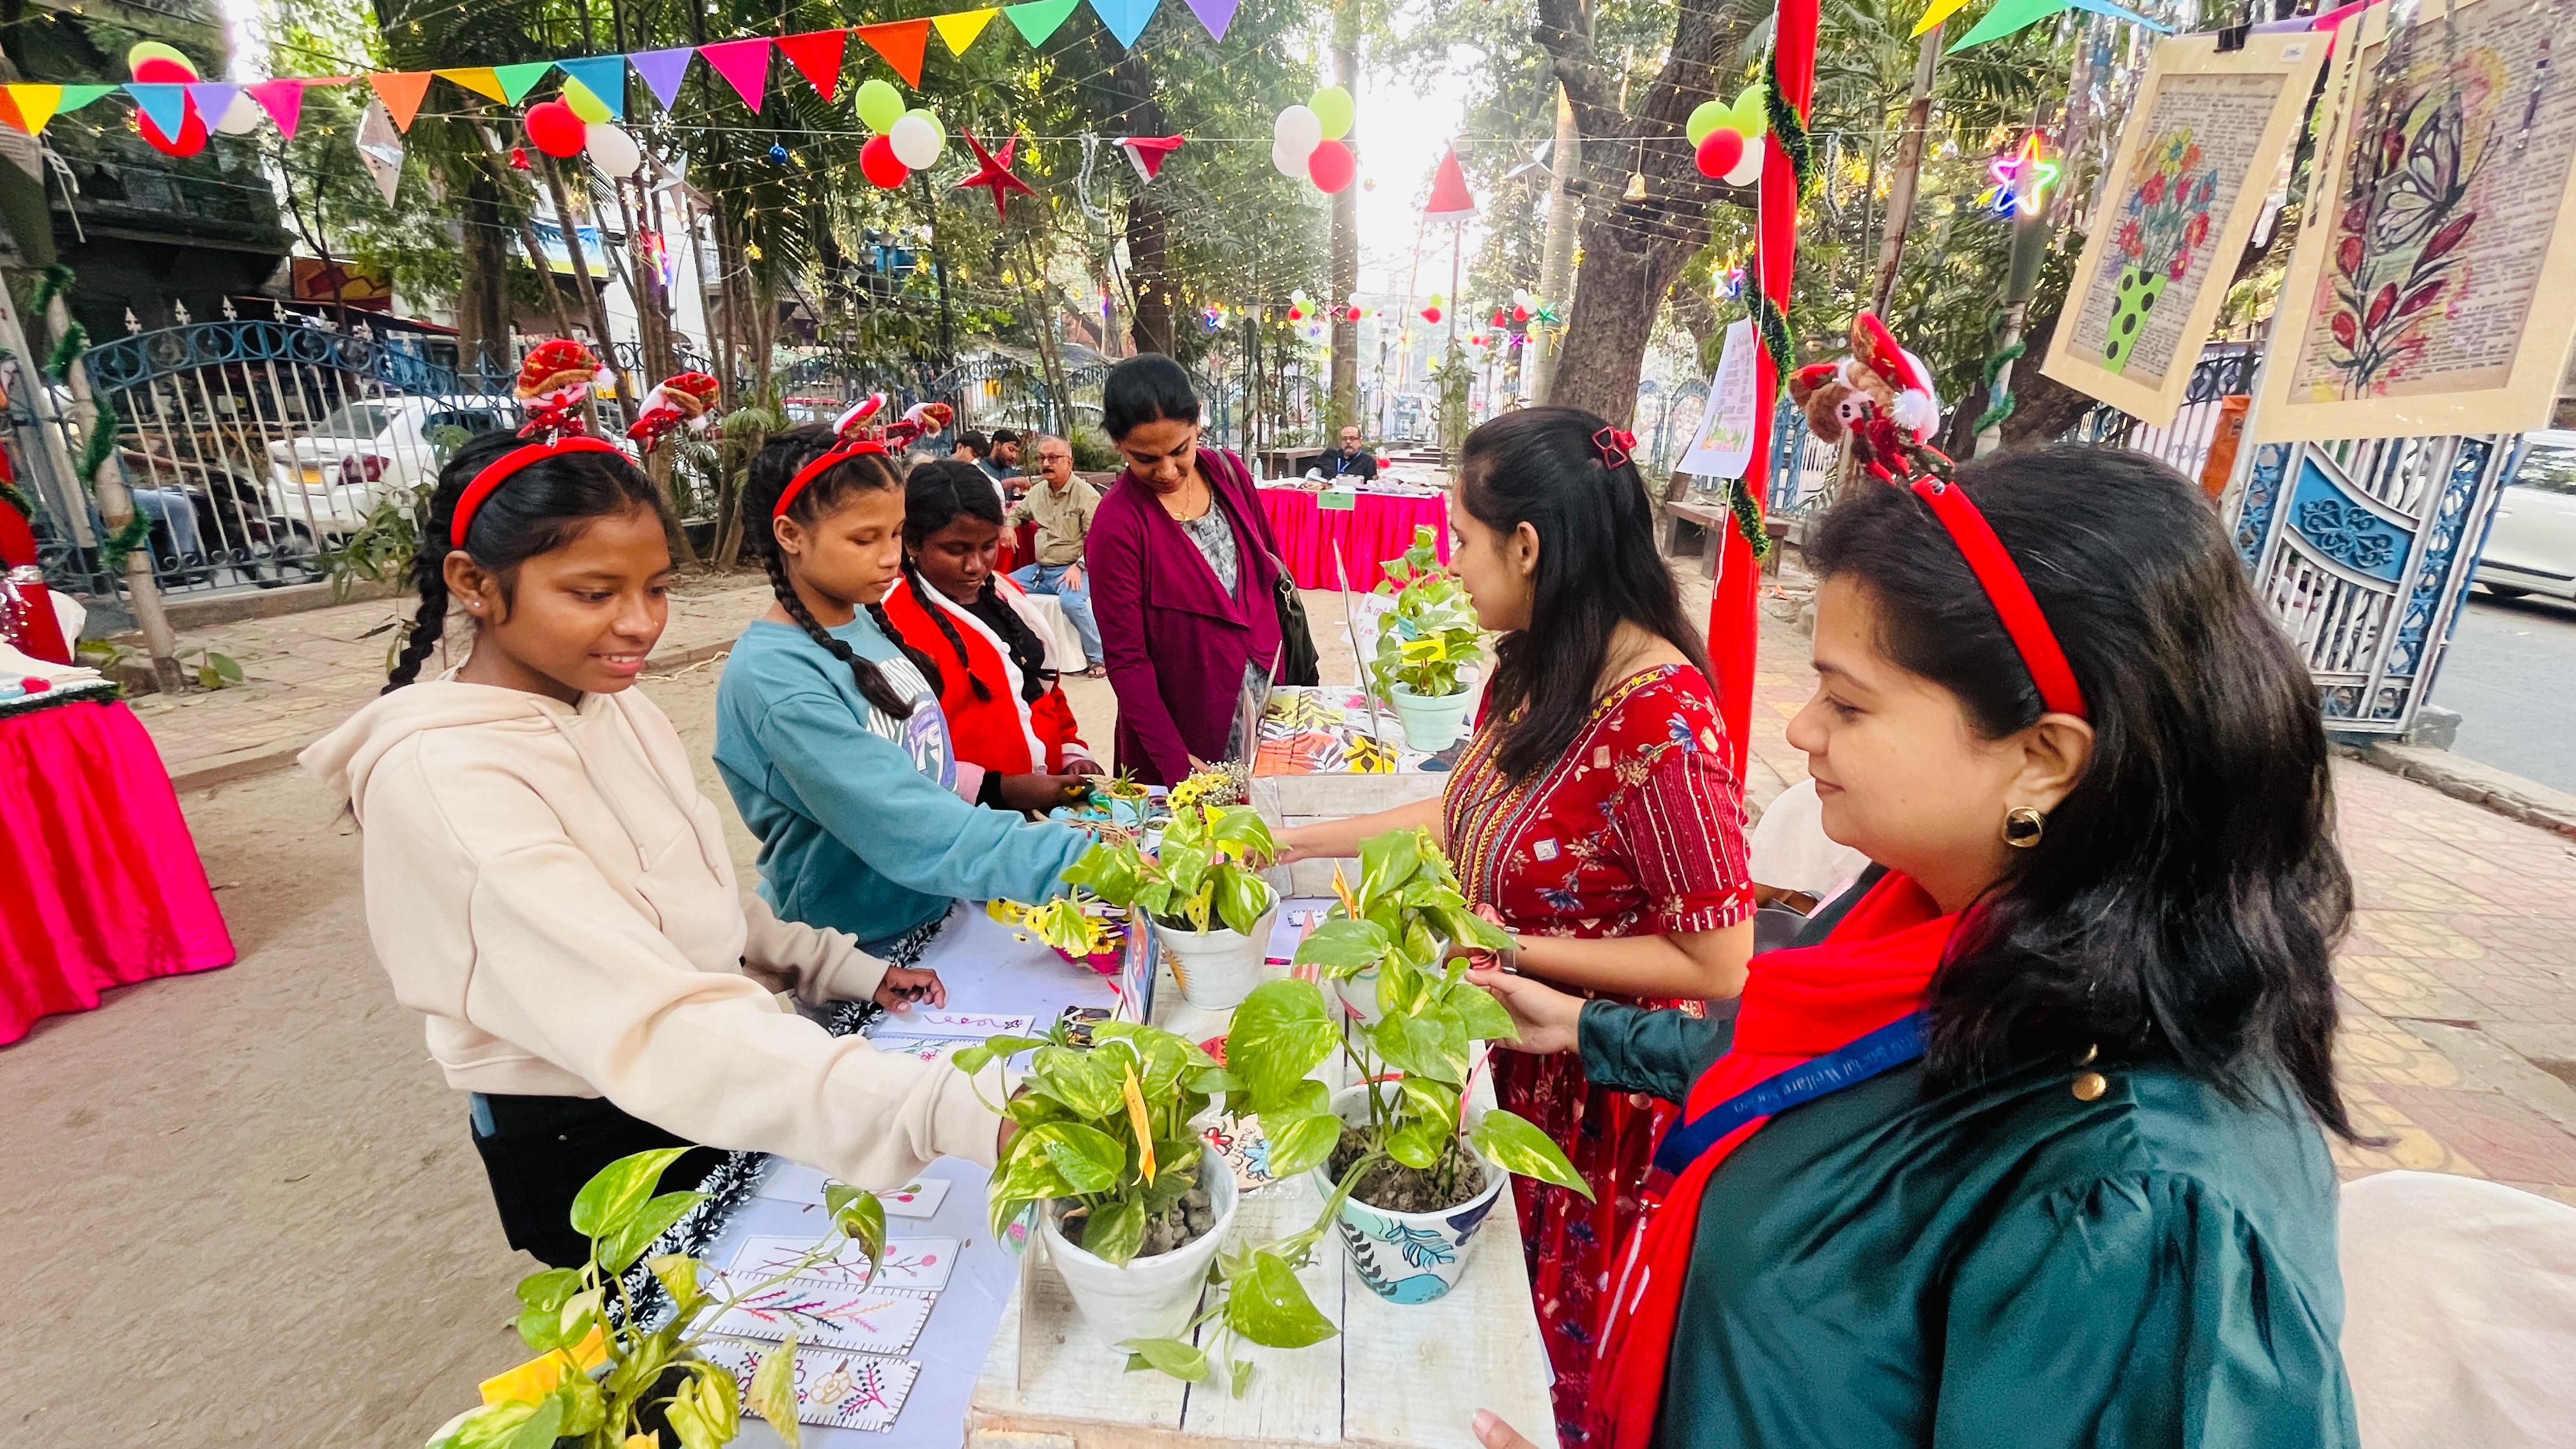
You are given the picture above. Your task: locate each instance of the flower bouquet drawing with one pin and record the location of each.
(2163, 225)
(2397, 254)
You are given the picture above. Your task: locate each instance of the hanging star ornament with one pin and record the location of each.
(994, 170)
(2021, 180)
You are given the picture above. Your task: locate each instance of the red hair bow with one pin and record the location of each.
(1615, 445)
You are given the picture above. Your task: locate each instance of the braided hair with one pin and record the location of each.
(772, 468)
(935, 495)
(539, 509)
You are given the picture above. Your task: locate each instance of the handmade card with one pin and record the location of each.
(976, 1024)
(787, 1181)
(836, 1390)
(919, 1265)
(924, 1048)
(916, 1199)
(830, 1315)
(1245, 1148)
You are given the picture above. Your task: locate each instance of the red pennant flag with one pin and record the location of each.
(901, 42)
(401, 91)
(1148, 153)
(817, 56)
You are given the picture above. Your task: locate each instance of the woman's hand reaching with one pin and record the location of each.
(1493, 1433)
(1545, 1016)
(1041, 793)
(905, 985)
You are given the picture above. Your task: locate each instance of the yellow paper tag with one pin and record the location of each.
(1135, 1094)
(533, 1380)
(1342, 888)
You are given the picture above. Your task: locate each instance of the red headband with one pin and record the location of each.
(498, 471)
(2009, 592)
(843, 453)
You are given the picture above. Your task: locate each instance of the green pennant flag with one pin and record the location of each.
(75, 97)
(518, 80)
(1038, 19)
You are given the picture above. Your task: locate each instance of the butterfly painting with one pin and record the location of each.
(2398, 257)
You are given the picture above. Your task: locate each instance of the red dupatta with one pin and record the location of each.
(1798, 1005)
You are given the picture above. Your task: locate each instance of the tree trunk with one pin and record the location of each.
(1909, 171)
(592, 301)
(1556, 264)
(1149, 230)
(483, 300)
(1616, 298)
(1346, 235)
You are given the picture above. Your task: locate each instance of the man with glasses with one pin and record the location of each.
(1352, 461)
(1061, 505)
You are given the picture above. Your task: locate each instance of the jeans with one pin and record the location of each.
(1049, 579)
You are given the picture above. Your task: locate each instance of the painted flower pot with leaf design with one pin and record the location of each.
(1205, 889)
(1408, 1257)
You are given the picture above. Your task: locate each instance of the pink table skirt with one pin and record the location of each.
(1379, 528)
(100, 885)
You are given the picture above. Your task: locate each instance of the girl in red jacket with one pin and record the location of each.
(1005, 710)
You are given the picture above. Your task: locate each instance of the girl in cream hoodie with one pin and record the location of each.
(546, 885)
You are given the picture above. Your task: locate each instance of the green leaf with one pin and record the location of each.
(547, 1290)
(860, 1217)
(619, 1190)
(1242, 897)
(1080, 1080)
(1242, 1376)
(1430, 1101)
(1030, 1177)
(224, 667)
(691, 1423)
(1115, 1230)
(971, 1060)
(1088, 1159)
(1267, 1305)
(1483, 1017)
(676, 1272)
(1243, 832)
(720, 1397)
(1301, 1143)
(1007, 1045)
(1387, 861)
(1419, 1045)
(773, 1390)
(542, 1328)
(1184, 866)
(1109, 870)
(574, 1318)
(619, 1252)
(1418, 1142)
(513, 1426)
(1169, 1355)
(1279, 1034)
(584, 1409)
(1341, 946)
(1516, 1145)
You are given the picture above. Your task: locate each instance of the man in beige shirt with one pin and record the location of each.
(1061, 505)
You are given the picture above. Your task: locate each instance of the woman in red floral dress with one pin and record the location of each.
(1594, 814)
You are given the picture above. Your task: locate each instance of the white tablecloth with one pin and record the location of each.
(1063, 641)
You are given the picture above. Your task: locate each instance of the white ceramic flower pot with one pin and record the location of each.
(1147, 1297)
(1431, 723)
(1218, 968)
(1407, 1257)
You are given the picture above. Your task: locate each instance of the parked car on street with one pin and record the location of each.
(2532, 547)
(326, 481)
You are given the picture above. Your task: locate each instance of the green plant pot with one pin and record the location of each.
(1431, 723)
(2137, 297)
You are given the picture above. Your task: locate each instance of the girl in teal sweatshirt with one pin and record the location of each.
(828, 733)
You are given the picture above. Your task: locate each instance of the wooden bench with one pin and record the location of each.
(1695, 529)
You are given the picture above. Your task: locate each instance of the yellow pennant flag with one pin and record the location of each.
(959, 28)
(1941, 10)
(480, 79)
(35, 105)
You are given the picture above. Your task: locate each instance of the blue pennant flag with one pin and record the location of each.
(164, 103)
(1125, 18)
(603, 76)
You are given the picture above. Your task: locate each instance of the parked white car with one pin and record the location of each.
(328, 480)
(2532, 547)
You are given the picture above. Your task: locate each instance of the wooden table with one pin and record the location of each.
(1395, 1376)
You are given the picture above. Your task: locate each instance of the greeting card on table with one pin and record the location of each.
(794, 1182)
(976, 1024)
(835, 1390)
(923, 1048)
(918, 1198)
(915, 1265)
(829, 1315)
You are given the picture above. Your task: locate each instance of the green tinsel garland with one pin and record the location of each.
(1769, 318)
(57, 279)
(100, 443)
(16, 497)
(67, 350)
(114, 549)
(1999, 404)
(1748, 519)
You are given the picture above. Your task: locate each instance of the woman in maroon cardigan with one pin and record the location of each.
(1183, 568)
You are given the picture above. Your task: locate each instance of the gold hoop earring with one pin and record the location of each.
(2023, 825)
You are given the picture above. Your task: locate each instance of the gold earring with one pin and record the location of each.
(2023, 825)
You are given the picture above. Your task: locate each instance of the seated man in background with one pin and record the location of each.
(1061, 505)
(1351, 460)
(1002, 463)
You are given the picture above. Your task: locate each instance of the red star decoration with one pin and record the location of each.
(995, 171)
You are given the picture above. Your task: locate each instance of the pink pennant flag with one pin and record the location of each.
(744, 64)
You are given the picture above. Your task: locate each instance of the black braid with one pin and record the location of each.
(939, 616)
(772, 468)
(871, 680)
(929, 667)
(1027, 650)
(429, 626)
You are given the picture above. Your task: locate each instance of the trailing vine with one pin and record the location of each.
(1999, 404)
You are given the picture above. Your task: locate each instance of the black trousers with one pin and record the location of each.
(540, 1151)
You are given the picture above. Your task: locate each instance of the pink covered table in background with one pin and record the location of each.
(1378, 527)
(100, 885)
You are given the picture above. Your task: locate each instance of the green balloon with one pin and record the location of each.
(880, 105)
(1708, 116)
(1752, 117)
(1332, 105)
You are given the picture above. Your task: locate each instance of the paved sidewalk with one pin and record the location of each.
(307, 672)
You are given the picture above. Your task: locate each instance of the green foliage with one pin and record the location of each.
(1208, 871)
(380, 549)
(1431, 638)
(563, 1309)
(1093, 452)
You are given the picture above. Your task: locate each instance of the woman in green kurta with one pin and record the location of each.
(2042, 1161)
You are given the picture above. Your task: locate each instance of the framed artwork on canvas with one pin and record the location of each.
(2203, 146)
(2430, 292)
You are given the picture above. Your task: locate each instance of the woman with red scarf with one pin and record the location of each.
(2022, 1145)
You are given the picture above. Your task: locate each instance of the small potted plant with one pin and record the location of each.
(604, 1380)
(1080, 927)
(1409, 893)
(1205, 889)
(1408, 1171)
(1427, 647)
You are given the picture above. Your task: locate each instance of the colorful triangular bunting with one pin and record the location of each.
(959, 28)
(165, 102)
(1216, 15)
(400, 90)
(1038, 19)
(31, 106)
(75, 97)
(603, 76)
(817, 56)
(1939, 11)
(744, 64)
(662, 70)
(518, 80)
(476, 78)
(213, 98)
(902, 43)
(2012, 16)
(1125, 18)
(284, 102)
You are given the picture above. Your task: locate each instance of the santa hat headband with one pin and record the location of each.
(687, 400)
(554, 380)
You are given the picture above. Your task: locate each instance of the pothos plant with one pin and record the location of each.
(1431, 637)
(1108, 1137)
(1208, 870)
(620, 1380)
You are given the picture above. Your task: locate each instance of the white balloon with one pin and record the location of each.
(1298, 129)
(612, 150)
(242, 117)
(1290, 161)
(1748, 170)
(917, 139)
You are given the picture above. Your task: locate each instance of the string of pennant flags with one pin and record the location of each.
(744, 65)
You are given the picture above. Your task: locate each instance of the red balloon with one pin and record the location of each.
(1332, 166)
(555, 129)
(1520, 314)
(1351, 315)
(1719, 152)
(1430, 314)
(884, 169)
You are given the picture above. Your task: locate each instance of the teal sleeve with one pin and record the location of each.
(1634, 1049)
(864, 789)
(2141, 1311)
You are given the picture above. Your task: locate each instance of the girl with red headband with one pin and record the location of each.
(2024, 1143)
(546, 885)
(828, 728)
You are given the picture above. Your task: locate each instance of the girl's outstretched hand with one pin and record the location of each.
(1493, 1433)
(904, 986)
(1545, 1016)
